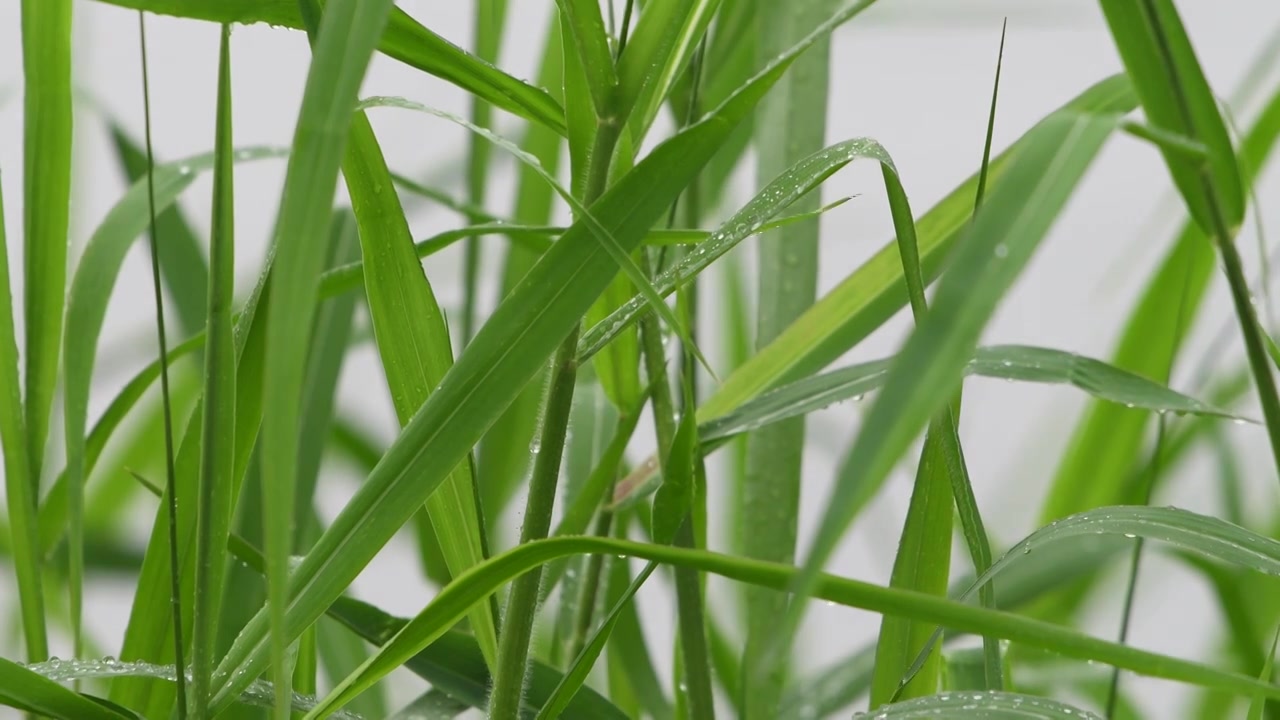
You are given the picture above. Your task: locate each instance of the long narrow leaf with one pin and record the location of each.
(454, 600)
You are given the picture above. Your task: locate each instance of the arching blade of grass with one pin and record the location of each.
(214, 502)
(986, 705)
(1176, 97)
(404, 39)
(791, 124)
(454, 600)
(20, 490)
(344, 44)
(786, 190)
(182, 259)
(33, 693)
(413, 342)
(500, 361)
(1006, 232)
(46, 182)
(874, 292)
(1020, 363)
(1107, 442)
(1203, 535)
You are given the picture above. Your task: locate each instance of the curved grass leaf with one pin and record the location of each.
(985, 705)
(875, 291)
(777, 196)
(405, 39)
(31, 692)
(1022, 363)
(413, 342)
(1017, 215)
(495, 367)
(453, 601)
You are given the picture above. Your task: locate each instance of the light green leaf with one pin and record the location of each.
(985, 705)
(33, 693)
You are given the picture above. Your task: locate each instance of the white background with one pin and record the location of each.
(914, 74)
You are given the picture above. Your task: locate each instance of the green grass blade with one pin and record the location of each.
(923, 564)
(1108, 441)
(661, 48)
(873, 293)
(347, 35)
(182, 259)
(786, 190)
(454, 662)
(405, 39)
(46, 65)
(791, 124)
(454, 600)
(20, 490)
(501, 360)
(582, 664)
(413, 342)
(1006, 232)
(586, 25)
(1176, 97)
(31, 692)
(986, 705)
(1259, 704)
(329, 340)
(214, 501)
(342, 651)
(1022, 363)
(597, 228)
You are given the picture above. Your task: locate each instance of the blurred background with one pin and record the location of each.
(914, 74)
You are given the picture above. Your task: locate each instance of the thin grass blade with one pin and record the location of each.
(986, 705)
(791, 124)
(33, 693)
(20, 490)
(214, 501)
(482, 580)
(413, 342)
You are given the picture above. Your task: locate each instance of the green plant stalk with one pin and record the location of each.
(214, 502)
(522, 602)
(691, 621)
(589, 590)
(46, 65)
(19, 490)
